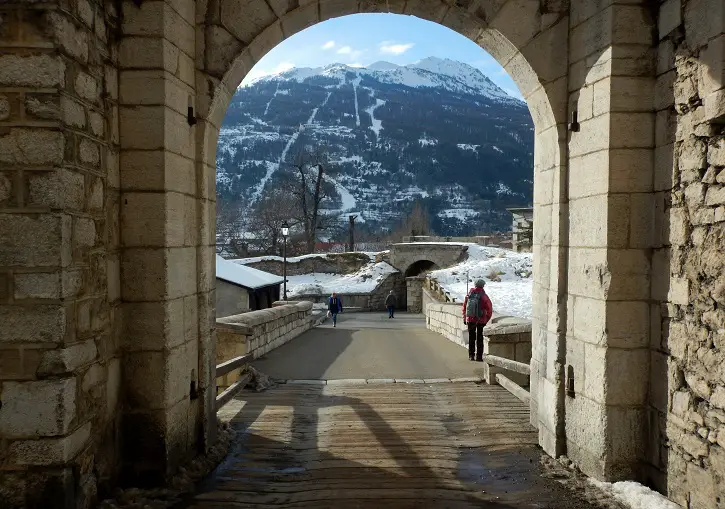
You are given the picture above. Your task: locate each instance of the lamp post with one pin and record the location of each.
(285, 233)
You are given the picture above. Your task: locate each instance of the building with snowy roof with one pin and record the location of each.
(240, 288)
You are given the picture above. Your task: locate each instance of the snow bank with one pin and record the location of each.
(635, 495)
(512, 287)
(363, 281)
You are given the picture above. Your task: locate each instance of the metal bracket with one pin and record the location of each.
(574, 124)
(190, 118)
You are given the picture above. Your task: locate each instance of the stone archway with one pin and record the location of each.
(528, 38)
(420, 267)
(109, 116)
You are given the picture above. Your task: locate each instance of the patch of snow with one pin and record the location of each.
(355, 84)
(461, 214)
(635, 495)
(377, 125)
(467, 146)
(497, 149)
(363, 281)
(266, 108)
(427, 141)
(504, 189)
(271, 169)
(511, 295)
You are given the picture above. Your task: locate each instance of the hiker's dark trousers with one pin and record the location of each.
(475, 340)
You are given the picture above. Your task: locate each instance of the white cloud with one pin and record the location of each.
(345, 50)
(328, 45)
(356, 64)
(395, 49)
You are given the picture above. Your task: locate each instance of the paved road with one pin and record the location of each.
(369, 345)
(390, 446)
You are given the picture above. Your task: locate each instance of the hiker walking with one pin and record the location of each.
(334, 306)
(390, 304)
(477, 311)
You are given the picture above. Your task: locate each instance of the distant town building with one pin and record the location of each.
(240, 288)
(522, 228)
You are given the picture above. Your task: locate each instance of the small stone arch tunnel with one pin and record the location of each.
(420, 267)
(109, 119)
(412, 258)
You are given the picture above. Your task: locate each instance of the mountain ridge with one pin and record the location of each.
(393, 135)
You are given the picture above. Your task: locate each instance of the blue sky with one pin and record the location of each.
(362, 39)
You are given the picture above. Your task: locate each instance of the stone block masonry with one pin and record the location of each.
(59, 333)
(259, 332)
(109, 118)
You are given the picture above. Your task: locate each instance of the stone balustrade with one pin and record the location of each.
(259, 332)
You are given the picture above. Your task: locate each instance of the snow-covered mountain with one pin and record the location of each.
(446, 74)
(437, 131)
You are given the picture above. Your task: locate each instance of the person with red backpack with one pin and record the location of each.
(477, 311)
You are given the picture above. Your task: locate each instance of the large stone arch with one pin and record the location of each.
(529, 38)
(109, 115)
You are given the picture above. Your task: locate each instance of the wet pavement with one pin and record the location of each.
(453, 445)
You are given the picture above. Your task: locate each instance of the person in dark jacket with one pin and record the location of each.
(476, 316)
(334, 306)
(390, 304)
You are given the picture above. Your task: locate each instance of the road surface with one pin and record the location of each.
(369, 346)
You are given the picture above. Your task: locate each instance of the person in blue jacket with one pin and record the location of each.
(334, 306)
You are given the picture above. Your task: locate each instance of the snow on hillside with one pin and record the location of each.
(510, 295)
(429, 72)
(363, 281)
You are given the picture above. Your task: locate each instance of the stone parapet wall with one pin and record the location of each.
(446, 319)
(342, 263)
(373, 301)
(261, 331)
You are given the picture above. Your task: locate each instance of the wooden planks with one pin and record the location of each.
(391, 446)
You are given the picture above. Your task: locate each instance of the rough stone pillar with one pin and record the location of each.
(414, 293)
(611, 212)
(59, 360)
(161, 219)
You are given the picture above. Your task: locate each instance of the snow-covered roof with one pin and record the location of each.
(242, 275)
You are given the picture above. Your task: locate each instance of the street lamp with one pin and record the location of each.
(285, 233)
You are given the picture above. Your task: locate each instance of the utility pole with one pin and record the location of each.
(352, 232)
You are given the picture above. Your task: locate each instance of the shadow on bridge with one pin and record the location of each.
(393, 446)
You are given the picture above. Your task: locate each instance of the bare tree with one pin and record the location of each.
(306, 185)
(267, 217)
(231, 224)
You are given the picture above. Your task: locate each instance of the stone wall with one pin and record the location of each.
(404, 255)
(342, 263)
(686, 454)
(373, 301)
(414, 292)
(510, 338)
(262, 331)
(60, 335)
